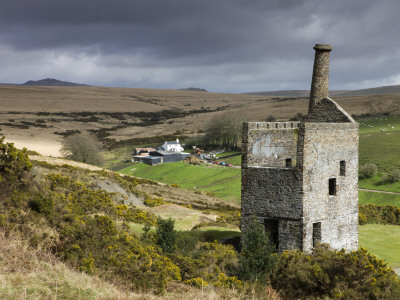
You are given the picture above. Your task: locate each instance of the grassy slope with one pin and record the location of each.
(380, 147)
(34, 274)
(365, 197)
(376, 146)
(234, 160)
(383, 241)
(224, 182)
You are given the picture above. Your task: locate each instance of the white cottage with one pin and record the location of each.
(173, 146)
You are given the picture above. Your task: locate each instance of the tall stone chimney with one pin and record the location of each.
(320, 78)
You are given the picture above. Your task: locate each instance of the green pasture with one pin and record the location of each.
(234, 160)
(374, 183)
(379, 124)
(379, 142)
(365, 197)
(383, 241)
(223, 182)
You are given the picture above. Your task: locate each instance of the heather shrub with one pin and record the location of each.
(327, 273)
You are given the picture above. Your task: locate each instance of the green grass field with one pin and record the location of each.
(379, 142)
(365, 197)
(383, 241)
(374, 183)
(223, 182)
(234, 160)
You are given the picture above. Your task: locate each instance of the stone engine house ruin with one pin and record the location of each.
(300, 178)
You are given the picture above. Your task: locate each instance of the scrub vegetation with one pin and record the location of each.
(70, 220)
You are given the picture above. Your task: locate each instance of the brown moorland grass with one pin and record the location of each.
(26, 273)
(30, 115)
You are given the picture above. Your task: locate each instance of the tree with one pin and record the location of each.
(298, 117)
(225, 129)
(82, 148)
(256, 258)
(166, 235)
(270, 118)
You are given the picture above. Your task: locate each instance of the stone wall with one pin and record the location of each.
(269, 144)
(274, 194)
(326, 145)
(328, 110)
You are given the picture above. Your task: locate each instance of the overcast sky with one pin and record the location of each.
(220, 45)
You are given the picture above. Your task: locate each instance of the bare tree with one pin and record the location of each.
(82, 148)
(225, 129)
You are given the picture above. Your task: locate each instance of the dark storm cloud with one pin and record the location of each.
(222, 45)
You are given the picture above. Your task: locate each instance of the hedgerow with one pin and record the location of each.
(386, 214)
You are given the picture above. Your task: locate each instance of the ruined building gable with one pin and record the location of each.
(327, 110)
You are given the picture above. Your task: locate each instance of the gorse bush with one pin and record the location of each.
(95, 243)
(387, 214)
(63, 210)
(334, 274)
(14, 164)
(154, 201)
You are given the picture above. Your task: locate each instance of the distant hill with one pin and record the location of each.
(292, 93)
(383, 90)
(52, 82)
(192, 89)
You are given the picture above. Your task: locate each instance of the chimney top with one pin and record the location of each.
(322, 47)
(320, 78)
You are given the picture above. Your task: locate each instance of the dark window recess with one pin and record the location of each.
(316, 233)
(332, 186)
(288, 162)
(272, 229)
(342, 168)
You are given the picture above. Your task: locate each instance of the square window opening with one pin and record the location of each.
(332, 186)
(342, 168)
(288, 162)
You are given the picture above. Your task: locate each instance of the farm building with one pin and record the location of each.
(159, 157)
(174, 146)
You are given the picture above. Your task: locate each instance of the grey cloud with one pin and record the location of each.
(227, 45)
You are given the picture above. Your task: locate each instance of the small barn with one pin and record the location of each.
(170, 156)
(159, 157)
(152, 160)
